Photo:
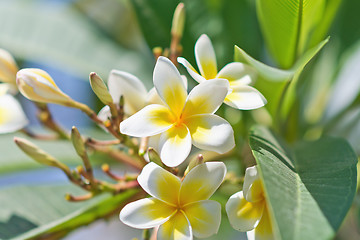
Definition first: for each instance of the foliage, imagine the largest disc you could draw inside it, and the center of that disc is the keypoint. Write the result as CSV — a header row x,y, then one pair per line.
x,y
309,80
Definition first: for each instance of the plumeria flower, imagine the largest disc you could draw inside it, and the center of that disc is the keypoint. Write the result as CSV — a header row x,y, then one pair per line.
x,y
247,210
12,117
181,208
238,74
186,119
37,85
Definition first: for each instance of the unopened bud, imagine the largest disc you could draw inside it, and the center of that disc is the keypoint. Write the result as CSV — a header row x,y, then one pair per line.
x,y
77,141
8,67
100,89
39,155
194,162
154,156
177,27
37,85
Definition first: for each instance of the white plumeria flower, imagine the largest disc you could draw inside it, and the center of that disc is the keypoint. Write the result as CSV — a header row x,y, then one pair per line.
x,y
132,89
186,119
247,210
238,74
181,208
12,117
37,85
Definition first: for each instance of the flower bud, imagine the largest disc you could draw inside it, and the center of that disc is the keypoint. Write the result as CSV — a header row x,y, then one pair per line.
x,y
178,22
77,141
37,85
39,155
194,162
154,156
100,89
8,67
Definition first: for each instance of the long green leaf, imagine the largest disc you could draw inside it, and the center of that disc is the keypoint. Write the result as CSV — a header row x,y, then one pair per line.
x,y
28,212
287,25
54,33
310,188
277,74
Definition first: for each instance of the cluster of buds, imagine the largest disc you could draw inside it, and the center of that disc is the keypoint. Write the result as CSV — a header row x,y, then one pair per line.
x,y
157,129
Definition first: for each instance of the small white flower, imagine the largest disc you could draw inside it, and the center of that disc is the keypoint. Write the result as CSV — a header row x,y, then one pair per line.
x,y
186,119
247,210
238,74
181,208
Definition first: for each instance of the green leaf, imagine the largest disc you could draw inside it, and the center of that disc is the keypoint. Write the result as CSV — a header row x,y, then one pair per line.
x,y
309,187
54,33
45,210
276,74
287,26
13,159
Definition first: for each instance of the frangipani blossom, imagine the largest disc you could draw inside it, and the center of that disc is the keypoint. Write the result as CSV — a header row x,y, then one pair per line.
x,y
247,210
238,74
12,117
186,119
181,208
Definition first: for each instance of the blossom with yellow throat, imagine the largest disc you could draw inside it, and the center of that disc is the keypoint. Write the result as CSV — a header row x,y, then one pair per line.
x,y
247,210
180,208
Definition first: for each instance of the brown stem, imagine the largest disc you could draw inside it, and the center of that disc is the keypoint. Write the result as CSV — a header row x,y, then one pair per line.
x,y
106,170
119,156
102,143
72,198
47,120
33,135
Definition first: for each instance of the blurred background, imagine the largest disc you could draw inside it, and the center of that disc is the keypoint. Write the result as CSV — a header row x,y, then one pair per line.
x,y
69,39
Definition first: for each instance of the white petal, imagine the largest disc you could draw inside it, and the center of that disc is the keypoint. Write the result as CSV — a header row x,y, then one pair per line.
x,y
211,132
160,183
245,80
154,98
151,120
104,113
235,71
175,145
252,188
130,87
206,97
177,228
146,213
204,217
201,182
205,57
12,117
191,70
243,215
169,85
245,98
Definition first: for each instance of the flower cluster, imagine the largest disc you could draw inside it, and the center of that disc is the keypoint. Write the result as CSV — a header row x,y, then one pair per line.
x,y
174,120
